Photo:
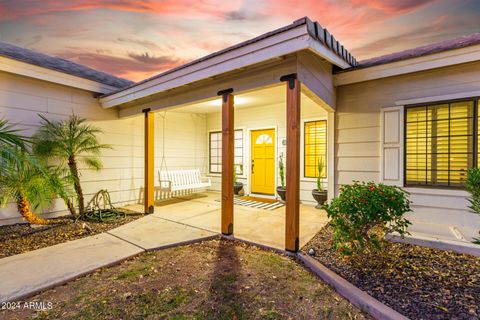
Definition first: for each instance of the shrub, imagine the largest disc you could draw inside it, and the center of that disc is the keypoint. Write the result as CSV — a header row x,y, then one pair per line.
x,y
473,186
364,212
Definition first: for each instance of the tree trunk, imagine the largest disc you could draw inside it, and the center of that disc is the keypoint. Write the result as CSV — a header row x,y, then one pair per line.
x,y
24,208
70,207
72,164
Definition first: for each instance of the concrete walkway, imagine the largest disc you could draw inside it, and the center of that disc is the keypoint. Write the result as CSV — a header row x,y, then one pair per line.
x,y
30,272
266,227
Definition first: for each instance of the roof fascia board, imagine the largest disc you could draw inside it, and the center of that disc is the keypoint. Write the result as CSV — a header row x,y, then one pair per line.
x,y
32,71
433,61
328,54
278,45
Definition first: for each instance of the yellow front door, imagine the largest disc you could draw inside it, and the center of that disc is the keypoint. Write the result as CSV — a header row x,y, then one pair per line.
x,y
263,161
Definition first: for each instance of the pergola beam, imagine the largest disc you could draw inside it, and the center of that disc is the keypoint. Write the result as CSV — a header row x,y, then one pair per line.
x,y
292,207
228,132
149,162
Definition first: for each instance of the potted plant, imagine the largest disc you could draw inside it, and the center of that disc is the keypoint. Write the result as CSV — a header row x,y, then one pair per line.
x,y
281,190
319,194
237,186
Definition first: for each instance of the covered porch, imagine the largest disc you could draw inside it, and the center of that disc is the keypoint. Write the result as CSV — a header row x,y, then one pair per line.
x,y
232,116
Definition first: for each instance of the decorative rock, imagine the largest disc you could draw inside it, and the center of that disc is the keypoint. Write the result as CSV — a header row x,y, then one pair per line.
x,y
311,252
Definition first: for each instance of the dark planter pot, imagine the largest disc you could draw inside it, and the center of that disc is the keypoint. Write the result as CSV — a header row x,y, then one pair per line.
x,y
282,192
237,187
320,197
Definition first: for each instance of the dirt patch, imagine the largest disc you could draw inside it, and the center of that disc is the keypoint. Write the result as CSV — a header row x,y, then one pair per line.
x,y
418,282
217,279
20,238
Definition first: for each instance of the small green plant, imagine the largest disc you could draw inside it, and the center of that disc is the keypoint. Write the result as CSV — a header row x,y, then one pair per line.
x,y
364,212
473,187
281,170
320,168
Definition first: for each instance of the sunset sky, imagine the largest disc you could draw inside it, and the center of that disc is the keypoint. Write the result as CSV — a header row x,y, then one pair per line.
x,y
136,39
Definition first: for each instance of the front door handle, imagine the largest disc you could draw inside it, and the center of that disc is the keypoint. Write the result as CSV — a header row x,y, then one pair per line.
x,y
253,165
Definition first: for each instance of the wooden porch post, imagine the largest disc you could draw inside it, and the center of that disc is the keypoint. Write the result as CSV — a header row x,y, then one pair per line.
x,y
149,162
292,208
228,133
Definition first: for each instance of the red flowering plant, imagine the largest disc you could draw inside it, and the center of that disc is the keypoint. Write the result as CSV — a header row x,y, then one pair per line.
x,y
364,212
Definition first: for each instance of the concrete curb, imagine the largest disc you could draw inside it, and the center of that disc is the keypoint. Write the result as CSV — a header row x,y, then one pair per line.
x,y
261,246
183,243
357,297
435,243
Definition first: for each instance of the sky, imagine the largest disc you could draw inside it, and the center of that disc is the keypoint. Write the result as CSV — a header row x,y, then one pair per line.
x,y
136,39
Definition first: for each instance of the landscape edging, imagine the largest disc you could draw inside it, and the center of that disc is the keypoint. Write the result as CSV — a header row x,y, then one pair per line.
x,y
356,296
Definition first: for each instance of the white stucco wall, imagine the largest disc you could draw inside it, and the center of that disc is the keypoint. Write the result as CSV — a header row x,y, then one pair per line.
x,y
22,99
358,137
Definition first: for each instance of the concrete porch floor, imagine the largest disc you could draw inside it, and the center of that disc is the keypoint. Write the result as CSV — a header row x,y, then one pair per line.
x,y
267,227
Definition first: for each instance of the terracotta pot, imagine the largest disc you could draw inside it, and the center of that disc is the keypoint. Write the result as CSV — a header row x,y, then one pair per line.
x,y
282,192
237,187
320,197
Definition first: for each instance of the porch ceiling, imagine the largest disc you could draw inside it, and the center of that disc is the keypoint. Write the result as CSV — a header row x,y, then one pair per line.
x,y
258,98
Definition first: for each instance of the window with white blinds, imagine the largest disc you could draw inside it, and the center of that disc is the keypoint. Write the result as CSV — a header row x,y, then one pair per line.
x,y
441,143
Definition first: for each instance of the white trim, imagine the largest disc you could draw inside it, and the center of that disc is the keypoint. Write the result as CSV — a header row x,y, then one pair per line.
x,y
432,61
45,74
453,96
331,136
249,159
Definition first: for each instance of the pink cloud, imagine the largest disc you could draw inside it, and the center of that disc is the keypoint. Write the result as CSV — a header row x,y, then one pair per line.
x,y
134,67
10,10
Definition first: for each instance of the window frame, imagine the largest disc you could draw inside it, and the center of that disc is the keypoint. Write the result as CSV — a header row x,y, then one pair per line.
x,y
323,119
475,139
210,151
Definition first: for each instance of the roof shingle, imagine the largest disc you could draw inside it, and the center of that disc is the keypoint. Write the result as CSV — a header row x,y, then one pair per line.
x,y
62,65
457,43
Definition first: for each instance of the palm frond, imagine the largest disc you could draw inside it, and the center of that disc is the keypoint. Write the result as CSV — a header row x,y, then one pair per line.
x,y
11,136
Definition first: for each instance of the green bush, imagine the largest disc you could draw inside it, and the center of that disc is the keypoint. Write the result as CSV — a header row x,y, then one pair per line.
x,y
473,186
364,212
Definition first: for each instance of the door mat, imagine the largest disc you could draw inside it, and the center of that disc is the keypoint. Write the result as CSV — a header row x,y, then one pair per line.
x,y
260,203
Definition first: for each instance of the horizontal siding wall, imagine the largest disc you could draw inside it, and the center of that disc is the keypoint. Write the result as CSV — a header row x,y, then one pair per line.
x,y
357,141
263,117
22,99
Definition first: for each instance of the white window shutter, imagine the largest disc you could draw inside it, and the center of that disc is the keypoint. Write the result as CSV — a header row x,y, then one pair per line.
x,y
391,145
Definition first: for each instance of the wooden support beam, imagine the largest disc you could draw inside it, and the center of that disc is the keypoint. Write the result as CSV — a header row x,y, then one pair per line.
x,y
292,207
149,162
228,132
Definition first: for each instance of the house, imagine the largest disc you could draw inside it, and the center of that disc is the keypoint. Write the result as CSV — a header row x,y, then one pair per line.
x,y
408,119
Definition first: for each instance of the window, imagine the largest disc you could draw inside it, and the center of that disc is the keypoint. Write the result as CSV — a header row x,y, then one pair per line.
x,y
440,143
216,151
315,139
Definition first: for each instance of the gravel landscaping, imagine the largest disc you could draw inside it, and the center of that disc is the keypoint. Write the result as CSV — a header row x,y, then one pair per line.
x,y
418,282
217,279
20,238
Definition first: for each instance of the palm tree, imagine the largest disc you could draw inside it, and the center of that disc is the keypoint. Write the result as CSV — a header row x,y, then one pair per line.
x,y
66,142
10,136
26,181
